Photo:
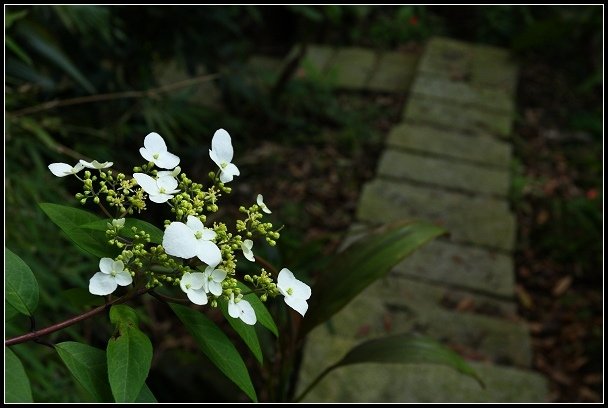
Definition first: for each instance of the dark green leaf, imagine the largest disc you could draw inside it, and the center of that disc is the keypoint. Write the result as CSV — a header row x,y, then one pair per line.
x,y
16,384
129,356
21,287
70,220
261,312
214,343
17,50
400,349
156,235
246,331
145,395
354,269
88,366
9,311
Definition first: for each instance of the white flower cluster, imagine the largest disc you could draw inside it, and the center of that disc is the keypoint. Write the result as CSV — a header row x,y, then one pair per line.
x,y
191,239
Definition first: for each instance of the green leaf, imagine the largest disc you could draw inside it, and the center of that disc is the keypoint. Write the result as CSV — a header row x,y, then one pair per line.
x,y
9,311
70,220
400,349
145,395
214,343
88,366
246,331
156,235
368,259
129,356
12,45
16,384
21,287
261,312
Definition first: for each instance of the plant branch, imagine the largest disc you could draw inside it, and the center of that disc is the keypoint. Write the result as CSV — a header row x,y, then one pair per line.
x,y
71,321
267,265
167,299
112,96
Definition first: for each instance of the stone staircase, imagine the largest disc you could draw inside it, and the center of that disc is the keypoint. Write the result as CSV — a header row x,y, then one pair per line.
x,y
446,162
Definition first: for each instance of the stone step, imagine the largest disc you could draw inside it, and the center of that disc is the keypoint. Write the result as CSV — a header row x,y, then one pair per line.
x,y
463,93
429,110
476,220
484,326
483,66
316,59
477,149
444,173
352,67
413,383
206,94
441,262
394,72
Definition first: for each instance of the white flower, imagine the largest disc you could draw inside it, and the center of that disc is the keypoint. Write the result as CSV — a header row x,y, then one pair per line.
x,y
165,173
160,190
96,165
246,247
262,205
241,309
296,292
155,151
190,240
221,153
213,280
112,273
192,285
63,169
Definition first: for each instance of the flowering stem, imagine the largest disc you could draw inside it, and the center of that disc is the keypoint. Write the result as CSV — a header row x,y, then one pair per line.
x,y
71,321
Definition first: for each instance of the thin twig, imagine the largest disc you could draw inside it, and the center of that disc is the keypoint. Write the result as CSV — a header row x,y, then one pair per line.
x,y
35,335
267,265
112,96
167,299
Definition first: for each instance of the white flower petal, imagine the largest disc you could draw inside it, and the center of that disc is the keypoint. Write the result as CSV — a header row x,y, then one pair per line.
x,y
106,265
118,266
102,284
167,160
221,144
147,183
195,224
215,159
60,169
155,143
160,198
123,278
208,252
246,247
260,201
179,240
197,296
147,154
215,288
79,166
197,279
297,304
301,290
185,281
208,234
285,278
233,309
229,172
218,275
247,314
120,222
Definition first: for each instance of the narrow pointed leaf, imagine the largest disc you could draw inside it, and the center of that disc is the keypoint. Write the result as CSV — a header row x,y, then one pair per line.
x,y
70,221
261,312
21,287
156,235
129,356
400,349
367,260
217,347
88,366
246,331
16,384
